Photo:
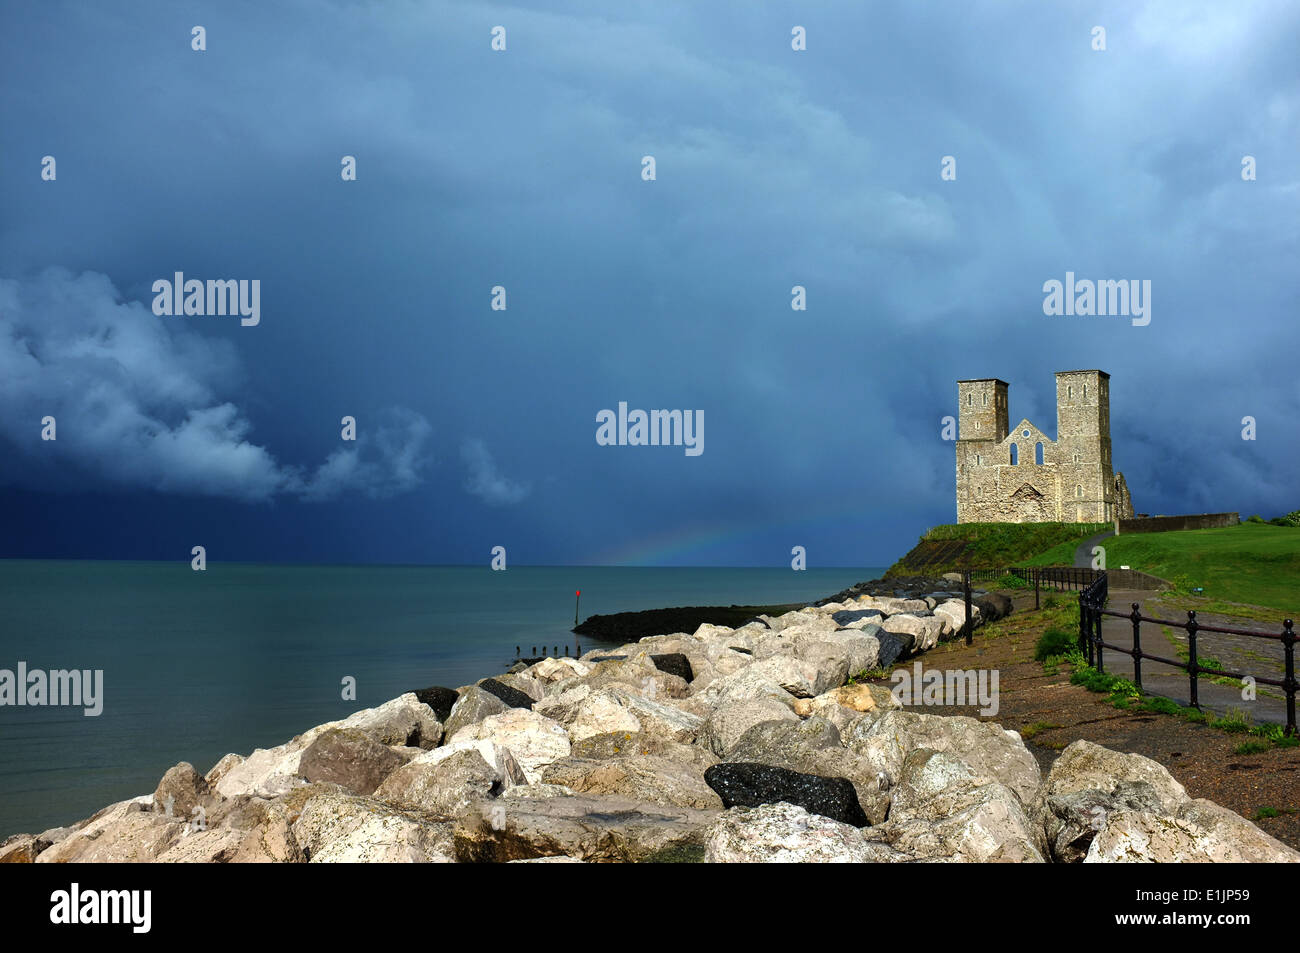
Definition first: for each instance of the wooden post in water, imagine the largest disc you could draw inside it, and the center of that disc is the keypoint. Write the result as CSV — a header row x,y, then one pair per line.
x,y
577,597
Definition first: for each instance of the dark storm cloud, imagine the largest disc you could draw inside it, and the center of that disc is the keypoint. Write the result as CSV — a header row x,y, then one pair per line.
x,y
775,169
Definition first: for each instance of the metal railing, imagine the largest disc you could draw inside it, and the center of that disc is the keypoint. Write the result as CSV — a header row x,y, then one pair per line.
x,y
1092,610
1056,578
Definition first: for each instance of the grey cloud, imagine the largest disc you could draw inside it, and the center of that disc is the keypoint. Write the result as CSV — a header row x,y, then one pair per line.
x,y
485,481
136,402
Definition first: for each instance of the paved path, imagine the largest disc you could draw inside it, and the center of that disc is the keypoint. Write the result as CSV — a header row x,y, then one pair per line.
x,y
1236,653
1083,555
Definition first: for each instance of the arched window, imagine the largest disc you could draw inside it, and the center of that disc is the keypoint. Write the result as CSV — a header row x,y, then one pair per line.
x,y
1078,490
1069,392
1038,453
1085,391
970,400
1015,453
985,400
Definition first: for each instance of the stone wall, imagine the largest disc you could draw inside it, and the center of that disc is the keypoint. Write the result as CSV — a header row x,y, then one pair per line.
x,y
1169,524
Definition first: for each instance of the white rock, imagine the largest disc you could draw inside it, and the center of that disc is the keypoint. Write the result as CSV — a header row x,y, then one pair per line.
x,y
782,833
533,739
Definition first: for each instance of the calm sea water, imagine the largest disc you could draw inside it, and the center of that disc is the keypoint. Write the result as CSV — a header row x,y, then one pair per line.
x,y
197,664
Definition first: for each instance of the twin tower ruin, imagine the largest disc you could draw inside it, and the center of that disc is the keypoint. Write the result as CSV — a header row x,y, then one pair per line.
x,y
1020,475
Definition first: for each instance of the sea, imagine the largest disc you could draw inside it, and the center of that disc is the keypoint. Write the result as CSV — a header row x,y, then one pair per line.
x,y
243,656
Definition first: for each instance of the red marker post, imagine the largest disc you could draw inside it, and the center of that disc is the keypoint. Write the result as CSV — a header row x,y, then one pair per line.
x,y
577,597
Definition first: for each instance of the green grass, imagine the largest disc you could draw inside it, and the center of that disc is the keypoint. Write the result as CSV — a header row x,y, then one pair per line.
x,y
1037,728
990,545
1126,696
1254,563
1252,747
1055,641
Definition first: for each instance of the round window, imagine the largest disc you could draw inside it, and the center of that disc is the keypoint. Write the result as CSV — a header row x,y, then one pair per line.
x,y
1024,433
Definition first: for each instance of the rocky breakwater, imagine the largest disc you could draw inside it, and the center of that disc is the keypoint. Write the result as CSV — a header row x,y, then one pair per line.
x,y
722,745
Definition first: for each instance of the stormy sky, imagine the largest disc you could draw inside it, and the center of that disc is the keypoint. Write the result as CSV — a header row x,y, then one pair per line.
x,y
523,168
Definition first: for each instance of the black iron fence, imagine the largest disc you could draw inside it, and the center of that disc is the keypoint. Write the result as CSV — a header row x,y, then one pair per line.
x,y
1040,577
1092,610
1055,578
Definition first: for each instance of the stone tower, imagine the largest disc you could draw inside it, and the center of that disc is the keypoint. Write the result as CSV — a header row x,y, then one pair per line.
x,y
1020,475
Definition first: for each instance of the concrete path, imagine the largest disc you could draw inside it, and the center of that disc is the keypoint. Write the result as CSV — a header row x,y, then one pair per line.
x,y
1236,653
1083,555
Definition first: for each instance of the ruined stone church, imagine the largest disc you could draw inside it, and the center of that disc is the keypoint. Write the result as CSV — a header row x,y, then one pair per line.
x,y
1020,475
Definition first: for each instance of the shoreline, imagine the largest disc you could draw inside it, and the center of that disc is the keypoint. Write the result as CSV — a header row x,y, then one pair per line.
x,y
747,744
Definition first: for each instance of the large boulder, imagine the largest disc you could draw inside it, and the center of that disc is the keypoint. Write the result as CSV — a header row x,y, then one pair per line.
x,y
341,828
780,677
21,849
813,747
267,840
349,758
180,791
617,710
858,697
893,646
831,660
924,630
749,785
992,605
1087,783
220,769
438,697
533,739
550,670
472,706
1201,832
953,616
267,772
857,618
992,751
860,647
646,779
614,744
635,672
730,720
125,832
448,780
404,720
513,696
593,828
674,663
944,810
782,833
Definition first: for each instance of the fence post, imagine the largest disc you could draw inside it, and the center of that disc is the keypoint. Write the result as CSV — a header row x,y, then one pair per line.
x,y
965,584
1035,573
1192,667
1097,619
1085,627
1288,644
1137,646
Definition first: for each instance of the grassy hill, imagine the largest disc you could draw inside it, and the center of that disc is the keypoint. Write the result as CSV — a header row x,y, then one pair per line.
x,y
1255,562
988,545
